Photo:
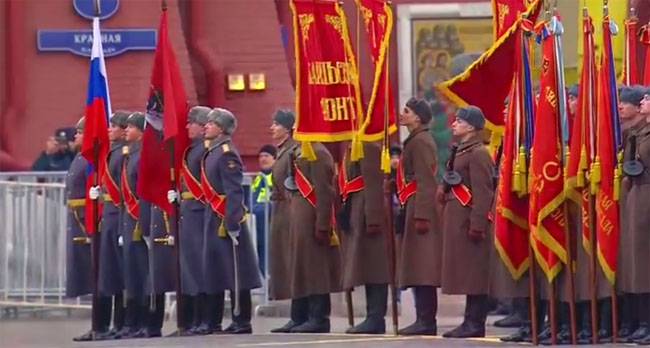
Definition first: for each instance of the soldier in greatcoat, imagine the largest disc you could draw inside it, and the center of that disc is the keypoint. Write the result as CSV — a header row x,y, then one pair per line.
x,y
420,254
467,199
633,278
364,233
192,210
225,227
135,218
280,252
315,263
111,275
79,275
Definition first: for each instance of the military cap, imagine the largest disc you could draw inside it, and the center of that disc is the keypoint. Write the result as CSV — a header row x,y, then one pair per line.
x,y
473,116
136,119
119,118
421,108
224,119
198,114
632,95
64,135
284,118
268,148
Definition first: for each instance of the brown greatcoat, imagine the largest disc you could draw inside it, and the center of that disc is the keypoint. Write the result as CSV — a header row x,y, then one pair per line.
x,y
420,255
465,263
634,258
364,255
279,239
315,268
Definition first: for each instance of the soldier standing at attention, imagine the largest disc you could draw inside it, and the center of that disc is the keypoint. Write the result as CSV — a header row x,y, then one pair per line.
x,y
230,260
280,252
79,277
315,264
364,235
134,220
111,274
467,197
420,253
192,210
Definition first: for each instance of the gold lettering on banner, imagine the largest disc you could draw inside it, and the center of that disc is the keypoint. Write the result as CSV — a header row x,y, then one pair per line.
x,y
551,97
606,225
558,216
504,10
330,73
337,109
547,175
305,21
367,15
336,22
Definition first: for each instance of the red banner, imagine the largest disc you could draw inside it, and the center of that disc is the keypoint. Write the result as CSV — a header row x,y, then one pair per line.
x,y
505,13
547,217
630,65
582,140
608,228
495,69
645,39
380,111
328,97
510,223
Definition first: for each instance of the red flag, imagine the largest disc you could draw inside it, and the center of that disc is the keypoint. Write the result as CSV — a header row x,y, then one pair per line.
x,y
165,126
608,227
494,68
510,223
546,216
630,66
645,39
582,144
505,13
378,21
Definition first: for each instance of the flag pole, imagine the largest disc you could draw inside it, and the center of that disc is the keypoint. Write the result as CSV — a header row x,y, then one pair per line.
x,y
95,236
532,275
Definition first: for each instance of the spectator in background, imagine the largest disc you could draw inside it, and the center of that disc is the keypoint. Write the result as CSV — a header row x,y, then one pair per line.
x,y
261,188
58,154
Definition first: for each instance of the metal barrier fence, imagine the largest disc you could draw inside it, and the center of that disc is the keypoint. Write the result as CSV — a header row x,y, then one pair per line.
x,y
33,218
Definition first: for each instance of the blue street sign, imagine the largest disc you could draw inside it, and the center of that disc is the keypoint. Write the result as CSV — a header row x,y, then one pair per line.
x,y
114,41
86,8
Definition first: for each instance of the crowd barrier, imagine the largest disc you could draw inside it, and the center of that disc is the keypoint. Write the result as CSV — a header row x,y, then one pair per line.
x,y
33,248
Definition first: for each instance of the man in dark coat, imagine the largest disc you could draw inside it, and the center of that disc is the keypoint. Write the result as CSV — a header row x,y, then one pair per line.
x,y
420,253
468,197
230,260
79,275
192,210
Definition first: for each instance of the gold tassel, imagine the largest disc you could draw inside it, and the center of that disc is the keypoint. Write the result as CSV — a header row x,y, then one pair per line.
x,y
516,179
308,151
595,175
618,174
221,231
385,159
334,239
582,168
167,226
521,167
356,153
137,233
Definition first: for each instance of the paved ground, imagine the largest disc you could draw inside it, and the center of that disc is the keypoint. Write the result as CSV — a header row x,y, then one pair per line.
x,y
56,329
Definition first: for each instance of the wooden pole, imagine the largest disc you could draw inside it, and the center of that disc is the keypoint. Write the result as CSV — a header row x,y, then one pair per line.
x,y
571,284
350,307
532,272
593,279
390,249
552,312
614,300
175,229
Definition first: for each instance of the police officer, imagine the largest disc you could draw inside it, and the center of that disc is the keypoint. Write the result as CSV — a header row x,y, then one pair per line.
x,y
364,237
315,264
420,254
467,204
280,251
111,276
192,210
79,275
135,218
230,261
633,280
261,189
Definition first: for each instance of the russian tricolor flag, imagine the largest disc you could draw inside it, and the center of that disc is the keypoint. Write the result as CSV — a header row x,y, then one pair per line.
x,y
98,110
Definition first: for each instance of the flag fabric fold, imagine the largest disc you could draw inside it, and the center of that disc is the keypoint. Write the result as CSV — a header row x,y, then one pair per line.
x,y
645,40
505,13
165,139
96,143
630,64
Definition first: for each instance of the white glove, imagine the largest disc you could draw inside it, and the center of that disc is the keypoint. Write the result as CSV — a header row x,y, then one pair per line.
x,y
94,193
120,241
172,196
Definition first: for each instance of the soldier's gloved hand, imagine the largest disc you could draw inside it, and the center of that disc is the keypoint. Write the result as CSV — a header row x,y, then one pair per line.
x,y
94,192
322,237
422,226
172,196
476,235
373,230
234,235
120,241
